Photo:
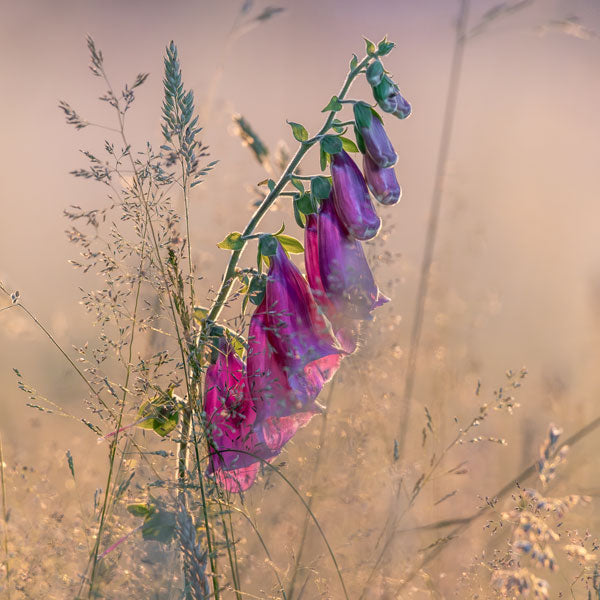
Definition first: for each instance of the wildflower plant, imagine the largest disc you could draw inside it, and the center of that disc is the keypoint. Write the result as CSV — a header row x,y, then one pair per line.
x,y
227,399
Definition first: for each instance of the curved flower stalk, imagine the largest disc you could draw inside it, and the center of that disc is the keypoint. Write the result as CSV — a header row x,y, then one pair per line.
x,y
343,271
292,352
230,420
352,201
382,182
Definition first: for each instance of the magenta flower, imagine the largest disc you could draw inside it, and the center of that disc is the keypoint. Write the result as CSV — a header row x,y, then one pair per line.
x,y
230,420
292,353
352,200
343,269
344,329
377,144
381,182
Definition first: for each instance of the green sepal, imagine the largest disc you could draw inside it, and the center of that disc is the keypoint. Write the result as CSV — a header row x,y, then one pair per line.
x,y
299,131
267,244
320,187
362,115
359,140
331,144
298,216
324,158
306,205
375,73
384,47
353,62
256,290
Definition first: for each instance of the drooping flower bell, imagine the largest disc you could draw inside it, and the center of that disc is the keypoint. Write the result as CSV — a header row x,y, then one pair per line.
x,y
352,200
344,272
230,420
376,142
344,328
292,352
381,182
390,99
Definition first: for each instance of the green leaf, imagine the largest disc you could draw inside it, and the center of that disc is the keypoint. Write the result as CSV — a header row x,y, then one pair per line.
x,y
291,244
320,187
256,292
267,244
297,183
299,131
354,62
237,342
160,413
348,145
331,144
160,526
300,218
233,241
362,115
334,104
323,158
305,205
270,185
370,47
200,313
139,510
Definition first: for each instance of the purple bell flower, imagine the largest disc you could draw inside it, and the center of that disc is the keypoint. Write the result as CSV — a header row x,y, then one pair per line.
x,y
343,269
230,420
292,352
381,182
390,99
378,145
352,200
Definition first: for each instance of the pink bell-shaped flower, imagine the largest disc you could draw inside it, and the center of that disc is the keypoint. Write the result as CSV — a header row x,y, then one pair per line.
x,y
292,352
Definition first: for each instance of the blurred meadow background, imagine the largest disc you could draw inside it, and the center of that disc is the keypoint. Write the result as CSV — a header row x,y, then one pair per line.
x,y
514,285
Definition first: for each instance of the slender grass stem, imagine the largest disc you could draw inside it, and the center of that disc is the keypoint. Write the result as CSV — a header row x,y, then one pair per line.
x,y
5,520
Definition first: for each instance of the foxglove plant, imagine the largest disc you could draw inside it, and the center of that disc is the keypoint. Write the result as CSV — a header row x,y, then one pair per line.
x,y
243,400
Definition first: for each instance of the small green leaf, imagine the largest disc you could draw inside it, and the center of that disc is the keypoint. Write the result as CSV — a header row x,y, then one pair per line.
x,y
237,342
267,244
299,131
271,185
370,47
320,187
160,413
305,205
297,183
256,292
331,144
323,158
334,104
159,525
139,510
281,229
233,241
348,145
291,244
362,115
354,62
200,313
300,218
